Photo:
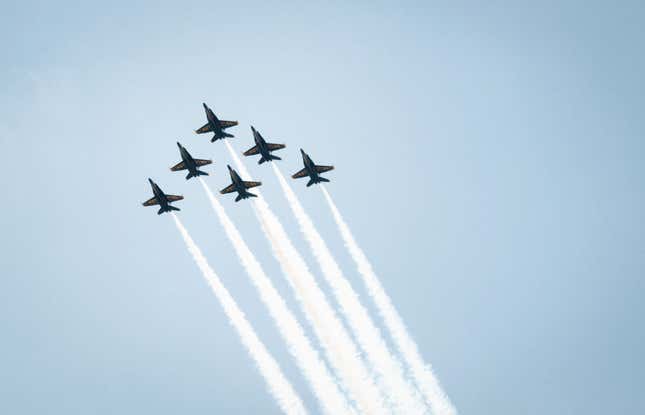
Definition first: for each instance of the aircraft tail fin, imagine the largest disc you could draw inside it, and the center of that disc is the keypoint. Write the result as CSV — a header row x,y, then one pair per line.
x,y
198,173
221,136
167,209
318,180
245,195
271,157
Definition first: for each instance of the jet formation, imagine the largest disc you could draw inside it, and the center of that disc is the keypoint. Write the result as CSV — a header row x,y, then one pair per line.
x,y
262,148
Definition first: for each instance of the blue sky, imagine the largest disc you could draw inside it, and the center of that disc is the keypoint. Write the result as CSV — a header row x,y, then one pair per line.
x,y
489,159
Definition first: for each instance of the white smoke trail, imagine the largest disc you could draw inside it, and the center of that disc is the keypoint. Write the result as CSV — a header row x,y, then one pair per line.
x,y
402,395
422,372
278,385
339,348
314,369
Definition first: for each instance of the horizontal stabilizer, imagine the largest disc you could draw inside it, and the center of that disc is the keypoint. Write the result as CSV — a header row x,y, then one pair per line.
x,y
318,180
244,195
166,209
271,157
221,136
197,173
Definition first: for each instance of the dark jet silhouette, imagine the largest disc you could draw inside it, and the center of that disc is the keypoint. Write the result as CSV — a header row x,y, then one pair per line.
x,y
312,170
190,164
161,199
239,186
215,125
263,148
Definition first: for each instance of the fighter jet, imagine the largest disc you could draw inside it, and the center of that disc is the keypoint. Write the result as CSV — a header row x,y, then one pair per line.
x,y
312,170
161,199
215,125
263,148
239,186
190,164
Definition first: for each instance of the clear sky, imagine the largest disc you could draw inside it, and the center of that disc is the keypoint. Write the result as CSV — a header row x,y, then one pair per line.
x,y
489,159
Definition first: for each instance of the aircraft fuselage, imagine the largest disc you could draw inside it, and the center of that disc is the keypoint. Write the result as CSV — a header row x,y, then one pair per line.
x,y
262,147
188,160
216,126
310,166
159,195
238,183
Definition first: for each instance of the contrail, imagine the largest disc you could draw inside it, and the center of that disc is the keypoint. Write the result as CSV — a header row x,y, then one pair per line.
x,y
404,397
314,369
278,385
422,372
339,348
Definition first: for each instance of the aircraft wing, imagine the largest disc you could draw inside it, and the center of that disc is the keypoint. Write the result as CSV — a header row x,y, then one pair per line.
x,y
301,173
174,198
204,129
322,169
201,162
178,166
227,124
228,189
252,151
150,202
249,185
273,147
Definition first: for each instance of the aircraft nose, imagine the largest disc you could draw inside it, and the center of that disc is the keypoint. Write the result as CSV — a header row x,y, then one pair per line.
x,y
204,104
150,180
178,144
302,152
